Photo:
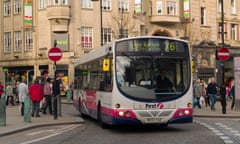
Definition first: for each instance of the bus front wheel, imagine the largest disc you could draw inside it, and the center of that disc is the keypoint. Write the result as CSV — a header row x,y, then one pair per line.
x,y
99,117
80,109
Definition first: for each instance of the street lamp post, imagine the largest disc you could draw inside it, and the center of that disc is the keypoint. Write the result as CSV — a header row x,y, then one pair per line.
x,y
121,24
101,24
222,35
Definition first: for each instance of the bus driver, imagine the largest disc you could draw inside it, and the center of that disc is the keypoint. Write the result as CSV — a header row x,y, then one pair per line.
x,y
164,84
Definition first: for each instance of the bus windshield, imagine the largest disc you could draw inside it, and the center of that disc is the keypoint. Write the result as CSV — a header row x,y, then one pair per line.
x,y
153,69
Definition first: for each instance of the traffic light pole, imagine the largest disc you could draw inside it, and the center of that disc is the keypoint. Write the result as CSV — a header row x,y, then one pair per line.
x,y
55,93
222,35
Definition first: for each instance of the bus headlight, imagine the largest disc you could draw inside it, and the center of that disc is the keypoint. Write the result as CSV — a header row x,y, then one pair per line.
x,y
117,105
186,112
121,113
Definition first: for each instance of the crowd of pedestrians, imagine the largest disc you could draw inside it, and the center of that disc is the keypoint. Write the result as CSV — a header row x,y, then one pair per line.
x,y
40,92
206,94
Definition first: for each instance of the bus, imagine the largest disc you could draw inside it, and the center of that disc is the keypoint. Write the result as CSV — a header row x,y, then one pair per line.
x,y
116,84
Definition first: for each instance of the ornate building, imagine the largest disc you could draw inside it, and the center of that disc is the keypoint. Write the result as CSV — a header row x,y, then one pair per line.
x,y
29,28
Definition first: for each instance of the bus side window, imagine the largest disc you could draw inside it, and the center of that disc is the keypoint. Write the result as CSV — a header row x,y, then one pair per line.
x,y
86,87
101,85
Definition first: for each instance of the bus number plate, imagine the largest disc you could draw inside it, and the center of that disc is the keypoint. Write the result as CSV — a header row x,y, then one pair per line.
x,y
154,120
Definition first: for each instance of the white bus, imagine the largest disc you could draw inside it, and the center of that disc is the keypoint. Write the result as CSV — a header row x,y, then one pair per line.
x,y
119,83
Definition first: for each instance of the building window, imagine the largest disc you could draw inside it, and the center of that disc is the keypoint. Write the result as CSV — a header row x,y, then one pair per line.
x,y
233,6
106,4
86,3
7,8
123,5
42,4
159,7
150,8
7,42
28,40
52,2
219,5
107,37
87,34
123,33
220,31
17,6
17,41
203,16
56,2
171,8
234,32
64,2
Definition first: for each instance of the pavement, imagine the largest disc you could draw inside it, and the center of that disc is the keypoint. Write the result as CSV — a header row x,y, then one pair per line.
x,y
208,113
15,122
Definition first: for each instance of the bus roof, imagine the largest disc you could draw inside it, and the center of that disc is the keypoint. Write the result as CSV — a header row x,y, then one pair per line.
x,y
94,54
106,49
162,37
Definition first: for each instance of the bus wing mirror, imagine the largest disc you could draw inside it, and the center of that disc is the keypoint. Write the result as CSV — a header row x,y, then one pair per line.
x,y
106,64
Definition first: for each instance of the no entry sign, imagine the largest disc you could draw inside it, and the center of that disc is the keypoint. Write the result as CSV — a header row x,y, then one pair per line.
x,y
223,54
55,54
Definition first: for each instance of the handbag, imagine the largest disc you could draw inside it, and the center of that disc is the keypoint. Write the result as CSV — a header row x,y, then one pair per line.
x,y
202,101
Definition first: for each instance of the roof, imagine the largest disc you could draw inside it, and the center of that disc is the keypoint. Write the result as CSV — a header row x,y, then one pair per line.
x,y
94,54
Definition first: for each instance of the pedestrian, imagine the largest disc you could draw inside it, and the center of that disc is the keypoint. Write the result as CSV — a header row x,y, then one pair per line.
x,y
47,91
232,95
57,85
197,93
22,89
212,92
16,91
36,95
204,89
164,84
1,89
71,90
9,94
42,104
56,93
223,98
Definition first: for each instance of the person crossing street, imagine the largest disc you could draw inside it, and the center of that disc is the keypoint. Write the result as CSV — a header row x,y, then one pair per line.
x,y
212,93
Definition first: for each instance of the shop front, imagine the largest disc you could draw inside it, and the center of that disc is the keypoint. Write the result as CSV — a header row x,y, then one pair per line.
x,y
205,60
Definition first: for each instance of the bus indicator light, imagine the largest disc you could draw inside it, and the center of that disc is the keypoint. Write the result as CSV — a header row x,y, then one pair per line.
x,y
189,105
117,105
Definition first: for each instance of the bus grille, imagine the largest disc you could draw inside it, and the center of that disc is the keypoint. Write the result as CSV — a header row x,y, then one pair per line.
x,y
154,113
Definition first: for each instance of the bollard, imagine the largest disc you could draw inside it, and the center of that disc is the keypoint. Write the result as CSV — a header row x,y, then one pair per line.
x,y
55,107
27,107
223,99
69,96
3,110
59,105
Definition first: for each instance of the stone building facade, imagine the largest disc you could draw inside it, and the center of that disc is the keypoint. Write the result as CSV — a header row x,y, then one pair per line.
x,y
29,28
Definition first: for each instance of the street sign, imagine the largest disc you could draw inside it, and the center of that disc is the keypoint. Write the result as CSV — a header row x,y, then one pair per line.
x,y
55,54
222,64
223,54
